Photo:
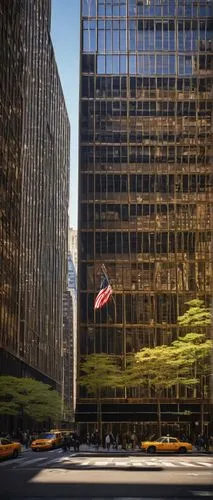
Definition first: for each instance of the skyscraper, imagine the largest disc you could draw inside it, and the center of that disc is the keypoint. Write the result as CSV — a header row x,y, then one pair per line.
x,y
34,203
70,326
145,173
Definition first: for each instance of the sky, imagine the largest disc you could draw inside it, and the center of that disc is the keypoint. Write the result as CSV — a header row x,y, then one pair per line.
x,y
65,34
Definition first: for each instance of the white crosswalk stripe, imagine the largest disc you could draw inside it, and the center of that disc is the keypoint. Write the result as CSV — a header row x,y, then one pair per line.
x,y
75,461
33,461
205,464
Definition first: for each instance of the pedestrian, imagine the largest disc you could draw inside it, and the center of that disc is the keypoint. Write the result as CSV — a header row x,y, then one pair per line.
x,y
112,439
107,441
199,443
88,438
69,441
117,441
65,442
206,443
97,439
133,440
76,441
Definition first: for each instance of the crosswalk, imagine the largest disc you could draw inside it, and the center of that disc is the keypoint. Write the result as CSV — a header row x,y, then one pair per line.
x,y
58,459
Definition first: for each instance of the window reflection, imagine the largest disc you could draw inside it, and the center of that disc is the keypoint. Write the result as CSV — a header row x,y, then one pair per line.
x,y
146,161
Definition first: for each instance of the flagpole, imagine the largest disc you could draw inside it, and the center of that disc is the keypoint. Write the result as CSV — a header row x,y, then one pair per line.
x,y
113,298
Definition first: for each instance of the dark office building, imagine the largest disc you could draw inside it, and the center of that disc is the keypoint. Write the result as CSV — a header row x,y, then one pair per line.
x,y
34,135
144,176
68,357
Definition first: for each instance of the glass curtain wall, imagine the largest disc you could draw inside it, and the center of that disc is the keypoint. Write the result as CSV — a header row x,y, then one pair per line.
x,y
11,102
145,173
34,138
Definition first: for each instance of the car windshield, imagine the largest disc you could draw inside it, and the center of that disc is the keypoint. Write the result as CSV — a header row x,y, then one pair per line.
x,y
160,440
46,435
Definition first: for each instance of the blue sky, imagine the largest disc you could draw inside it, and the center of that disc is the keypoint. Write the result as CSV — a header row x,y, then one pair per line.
x,y
65,33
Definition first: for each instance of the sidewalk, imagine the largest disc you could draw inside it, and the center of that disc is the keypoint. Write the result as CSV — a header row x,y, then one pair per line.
x,y
84,448
91,449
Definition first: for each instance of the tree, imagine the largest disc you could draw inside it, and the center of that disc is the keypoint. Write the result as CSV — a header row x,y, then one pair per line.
x,y
196,321
26,396
99,372
160,368
197,316
184,362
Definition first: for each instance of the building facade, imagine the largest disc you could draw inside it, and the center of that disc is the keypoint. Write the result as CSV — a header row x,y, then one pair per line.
x,y
11,126
68,355
72,309
73,246
145,171
36,133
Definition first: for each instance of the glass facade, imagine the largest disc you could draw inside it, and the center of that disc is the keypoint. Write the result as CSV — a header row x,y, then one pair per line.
x,y
145,173
11,126
34,210
68,353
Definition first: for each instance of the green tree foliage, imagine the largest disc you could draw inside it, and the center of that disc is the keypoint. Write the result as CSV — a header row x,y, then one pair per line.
x,y
195,342
100,371
26,396
184,362
197,316
159,368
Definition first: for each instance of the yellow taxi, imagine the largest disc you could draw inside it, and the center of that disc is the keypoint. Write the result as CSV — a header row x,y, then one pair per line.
x,y
9,448
47,441
168,444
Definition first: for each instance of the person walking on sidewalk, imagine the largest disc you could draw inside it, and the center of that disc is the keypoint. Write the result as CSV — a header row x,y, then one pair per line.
x,y
107,441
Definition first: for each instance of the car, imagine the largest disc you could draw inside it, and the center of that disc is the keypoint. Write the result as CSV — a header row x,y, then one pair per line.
x,y
9,448
166,443
47,441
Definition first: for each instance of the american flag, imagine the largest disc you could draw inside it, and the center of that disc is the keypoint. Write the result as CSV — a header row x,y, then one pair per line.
x,y
104,294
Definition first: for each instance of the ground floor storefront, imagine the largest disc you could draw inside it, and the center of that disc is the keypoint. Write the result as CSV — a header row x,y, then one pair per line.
x,y
180,419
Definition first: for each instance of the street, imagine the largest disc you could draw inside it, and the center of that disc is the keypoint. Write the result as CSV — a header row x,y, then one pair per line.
x,y
57,474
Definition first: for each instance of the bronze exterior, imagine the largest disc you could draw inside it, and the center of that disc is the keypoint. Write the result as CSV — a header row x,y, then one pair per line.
x,y
34,206
145,174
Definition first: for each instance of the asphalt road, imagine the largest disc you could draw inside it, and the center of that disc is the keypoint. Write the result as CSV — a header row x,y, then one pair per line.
x,y
58,475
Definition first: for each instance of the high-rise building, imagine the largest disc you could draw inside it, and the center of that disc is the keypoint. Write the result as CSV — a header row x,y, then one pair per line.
x,y
73,246
145,171
34,135
70,327
68,354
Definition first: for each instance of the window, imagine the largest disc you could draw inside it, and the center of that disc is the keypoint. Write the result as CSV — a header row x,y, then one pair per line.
x,y
88,8
100,64
185,65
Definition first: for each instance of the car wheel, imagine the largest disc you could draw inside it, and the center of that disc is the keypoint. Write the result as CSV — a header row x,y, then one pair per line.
x,y
15,454
182,449
53,446
33,449
151,449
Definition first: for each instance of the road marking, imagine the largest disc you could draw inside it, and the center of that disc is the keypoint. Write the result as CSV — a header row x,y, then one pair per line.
x,y
33,461
202,493
168,464
206,464
187,464
12,461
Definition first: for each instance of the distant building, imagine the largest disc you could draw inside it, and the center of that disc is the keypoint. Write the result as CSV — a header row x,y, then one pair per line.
x,y
68,354
34,135
73,246
72,276
70,324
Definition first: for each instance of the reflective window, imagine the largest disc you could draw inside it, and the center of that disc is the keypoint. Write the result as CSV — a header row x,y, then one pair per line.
x,y
89,36
88,8
100,64
185,65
